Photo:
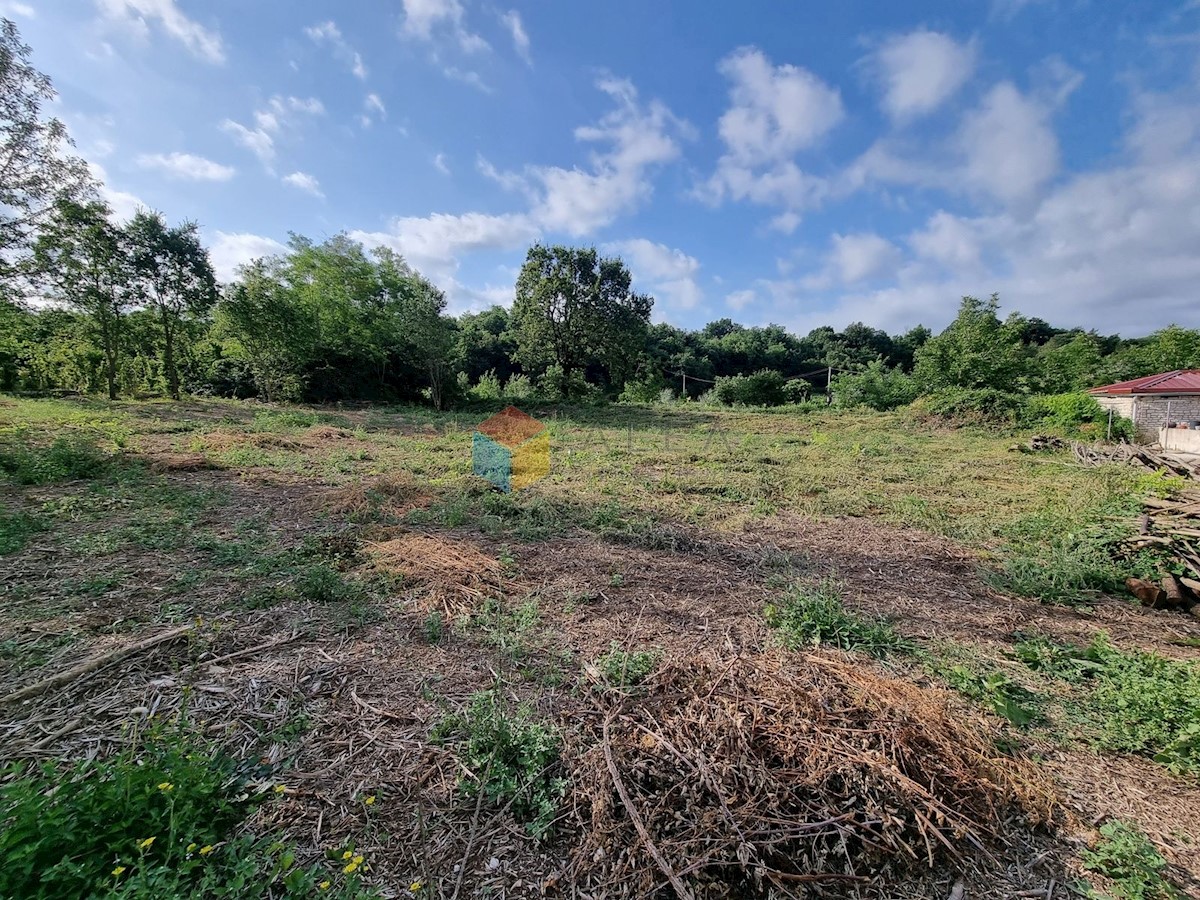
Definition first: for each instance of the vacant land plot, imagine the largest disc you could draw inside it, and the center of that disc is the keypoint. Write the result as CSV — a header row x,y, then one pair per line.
x,y
712,654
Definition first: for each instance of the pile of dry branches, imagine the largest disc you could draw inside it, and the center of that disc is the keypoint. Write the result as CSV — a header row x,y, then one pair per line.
x,y
1172,527
756,775
1143,457
452,574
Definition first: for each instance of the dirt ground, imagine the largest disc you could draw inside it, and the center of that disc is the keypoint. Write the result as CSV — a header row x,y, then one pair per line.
x,y
344,708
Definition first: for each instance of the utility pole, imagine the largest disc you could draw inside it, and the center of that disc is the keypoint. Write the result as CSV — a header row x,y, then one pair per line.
x,y
683,372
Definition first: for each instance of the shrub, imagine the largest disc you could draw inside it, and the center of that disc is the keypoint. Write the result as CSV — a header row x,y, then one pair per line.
x,y
16,530
797,390
984,406
1074,414
1128,858
878,387
518,388
763,388
513,759
812,615
647,390
487,388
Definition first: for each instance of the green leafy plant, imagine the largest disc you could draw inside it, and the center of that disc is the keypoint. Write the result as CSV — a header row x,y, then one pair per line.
x,y
1130,861
512,758
625,668
162,819
813,615
63,460
16,529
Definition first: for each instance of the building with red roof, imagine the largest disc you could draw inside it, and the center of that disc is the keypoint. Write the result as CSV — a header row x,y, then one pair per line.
x,y
1155,402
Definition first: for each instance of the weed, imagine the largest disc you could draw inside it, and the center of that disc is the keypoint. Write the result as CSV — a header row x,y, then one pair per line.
x,y
508,629
320,583
63,460
812,615
16,529
158,821
626,668
992,689
514,759
434,627
1127,857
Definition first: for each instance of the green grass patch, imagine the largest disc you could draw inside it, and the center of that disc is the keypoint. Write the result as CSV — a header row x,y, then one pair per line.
x,y
625,668
1129,701
812,615
163,820
65,459
16,529
512,758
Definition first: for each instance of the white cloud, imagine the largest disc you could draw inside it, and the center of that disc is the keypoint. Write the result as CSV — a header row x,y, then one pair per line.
x,y
328,32
433,243
948,241
520,38
921,70
123,204
304,182
136,15
439,163
374,109
427,19
186,165
1009,146
279,114
15,8
668,274
857,257
785,222
638,138
468,77
230,250
739,300
775,112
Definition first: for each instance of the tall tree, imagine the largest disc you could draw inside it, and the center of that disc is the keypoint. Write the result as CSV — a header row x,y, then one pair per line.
x,y
976,350
174,276
574,308
85,261
36,168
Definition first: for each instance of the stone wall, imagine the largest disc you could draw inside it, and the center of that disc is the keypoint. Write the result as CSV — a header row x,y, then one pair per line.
x,y
1149,414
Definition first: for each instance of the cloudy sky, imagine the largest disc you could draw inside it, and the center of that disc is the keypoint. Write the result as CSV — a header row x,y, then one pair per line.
x,y
793,162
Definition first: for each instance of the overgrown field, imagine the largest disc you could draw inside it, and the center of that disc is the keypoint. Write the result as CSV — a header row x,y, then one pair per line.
x,y
713,654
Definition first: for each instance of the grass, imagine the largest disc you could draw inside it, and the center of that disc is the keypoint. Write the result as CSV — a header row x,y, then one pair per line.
x,y
511,757
163,819
812,615
626,668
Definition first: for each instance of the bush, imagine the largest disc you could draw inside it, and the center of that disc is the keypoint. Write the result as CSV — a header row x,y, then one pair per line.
x,y
983,406
518,388
624,668
1076,414
797,390
649,390
878,387
231,378
763,388
157,822
812,615
513,759
487,388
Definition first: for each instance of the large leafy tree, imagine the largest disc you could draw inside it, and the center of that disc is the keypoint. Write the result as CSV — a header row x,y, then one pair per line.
x,y
36,167
174,276
84,260
976,350
575,309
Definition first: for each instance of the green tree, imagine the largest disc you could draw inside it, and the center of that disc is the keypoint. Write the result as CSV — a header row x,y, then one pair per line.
x,y
84,260
976,350
175,276
36,167
575,309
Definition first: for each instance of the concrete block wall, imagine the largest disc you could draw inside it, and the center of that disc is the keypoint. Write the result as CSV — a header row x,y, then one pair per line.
x,y
1149,414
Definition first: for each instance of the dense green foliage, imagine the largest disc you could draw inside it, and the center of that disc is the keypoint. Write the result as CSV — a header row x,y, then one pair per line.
x,y
163,820
812,615
1133,864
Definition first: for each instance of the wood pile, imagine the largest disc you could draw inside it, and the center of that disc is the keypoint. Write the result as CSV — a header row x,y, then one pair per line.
x,y
1144,457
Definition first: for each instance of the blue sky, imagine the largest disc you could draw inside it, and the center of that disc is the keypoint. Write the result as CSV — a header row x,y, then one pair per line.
x,y
798,163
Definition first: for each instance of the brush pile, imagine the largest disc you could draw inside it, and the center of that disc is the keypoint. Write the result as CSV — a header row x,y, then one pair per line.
x,y
451,574
752,777
1171,529
1142,457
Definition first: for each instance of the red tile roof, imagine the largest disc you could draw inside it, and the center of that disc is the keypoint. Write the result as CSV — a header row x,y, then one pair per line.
x,y
1181,381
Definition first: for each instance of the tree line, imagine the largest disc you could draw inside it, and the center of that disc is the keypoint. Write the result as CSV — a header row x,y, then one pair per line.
x,y
133,308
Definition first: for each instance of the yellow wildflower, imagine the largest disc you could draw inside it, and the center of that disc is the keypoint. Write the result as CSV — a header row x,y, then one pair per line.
x,y
347,854
358,860
416,886
166,786
117,871
370,801
145,845
280,788
191,847
206,849
324,885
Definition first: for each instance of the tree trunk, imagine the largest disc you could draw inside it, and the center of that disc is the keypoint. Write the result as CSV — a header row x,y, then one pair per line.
x,y
169,357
